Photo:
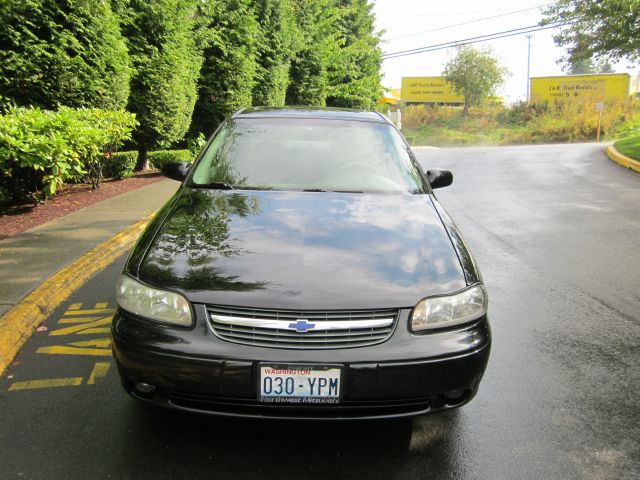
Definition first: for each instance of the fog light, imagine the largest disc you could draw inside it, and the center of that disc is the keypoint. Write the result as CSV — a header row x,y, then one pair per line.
x,y
143,387
454,394
453,398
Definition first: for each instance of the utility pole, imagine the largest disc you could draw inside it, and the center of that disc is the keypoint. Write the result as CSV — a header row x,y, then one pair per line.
x,y
528,66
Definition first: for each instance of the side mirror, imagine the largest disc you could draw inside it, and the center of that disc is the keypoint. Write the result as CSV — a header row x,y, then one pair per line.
x,y
439,178
175,170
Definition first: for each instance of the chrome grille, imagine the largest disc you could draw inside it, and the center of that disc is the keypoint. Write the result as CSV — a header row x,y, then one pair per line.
x,y
311,329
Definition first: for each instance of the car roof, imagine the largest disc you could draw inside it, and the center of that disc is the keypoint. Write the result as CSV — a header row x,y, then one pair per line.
x,y
311,112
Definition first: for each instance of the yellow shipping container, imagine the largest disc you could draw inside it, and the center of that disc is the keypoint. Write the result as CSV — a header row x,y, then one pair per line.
x,y
391,98
580,88
428,90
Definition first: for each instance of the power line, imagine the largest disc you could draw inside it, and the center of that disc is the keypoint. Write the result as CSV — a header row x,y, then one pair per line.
x,y
460,41
433,48
468,41
447,14
468,22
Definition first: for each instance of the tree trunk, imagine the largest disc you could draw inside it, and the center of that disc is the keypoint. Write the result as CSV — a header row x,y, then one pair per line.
x,y
465,110
143,159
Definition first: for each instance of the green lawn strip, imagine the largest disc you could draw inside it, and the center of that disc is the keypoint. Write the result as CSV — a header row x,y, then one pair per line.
x,y
629,146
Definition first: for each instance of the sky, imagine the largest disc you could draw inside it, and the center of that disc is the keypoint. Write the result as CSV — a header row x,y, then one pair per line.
x,y
404,20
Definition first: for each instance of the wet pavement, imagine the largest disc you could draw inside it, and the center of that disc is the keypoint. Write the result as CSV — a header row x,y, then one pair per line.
x,y
555,231
31,256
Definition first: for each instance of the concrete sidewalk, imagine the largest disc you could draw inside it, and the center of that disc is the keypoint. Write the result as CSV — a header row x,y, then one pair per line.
x,y
29,258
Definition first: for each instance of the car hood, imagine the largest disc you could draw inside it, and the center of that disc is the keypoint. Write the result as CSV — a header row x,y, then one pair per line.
x,y
302,250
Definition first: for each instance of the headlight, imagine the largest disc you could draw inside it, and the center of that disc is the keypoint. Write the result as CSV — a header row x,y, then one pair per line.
x,y
160,305
438,312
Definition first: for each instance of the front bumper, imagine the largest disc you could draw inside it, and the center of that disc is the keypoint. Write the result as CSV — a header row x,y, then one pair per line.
x,y
192,369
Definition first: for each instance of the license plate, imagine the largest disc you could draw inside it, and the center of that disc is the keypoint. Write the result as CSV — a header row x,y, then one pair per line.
x,y
299,384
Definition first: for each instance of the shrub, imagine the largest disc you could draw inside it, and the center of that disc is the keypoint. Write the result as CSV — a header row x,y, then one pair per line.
x,y
417,115
518,114
628,120
120,164
40,149
160,157
34,154
98,134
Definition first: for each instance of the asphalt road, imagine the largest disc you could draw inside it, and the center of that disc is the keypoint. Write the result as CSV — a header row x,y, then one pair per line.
x,y
555,230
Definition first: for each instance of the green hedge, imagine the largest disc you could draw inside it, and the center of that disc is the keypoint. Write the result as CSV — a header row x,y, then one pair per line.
x,y
120,165
160,157
42,149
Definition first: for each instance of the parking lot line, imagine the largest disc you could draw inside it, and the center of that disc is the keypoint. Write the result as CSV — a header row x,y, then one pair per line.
x,y
48,383
71,350
100,370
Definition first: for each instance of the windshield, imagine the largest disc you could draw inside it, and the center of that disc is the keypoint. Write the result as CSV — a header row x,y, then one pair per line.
x,y
308,154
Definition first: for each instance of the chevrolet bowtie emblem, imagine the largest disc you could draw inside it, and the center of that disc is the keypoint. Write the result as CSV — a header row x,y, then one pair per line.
x,y
301,325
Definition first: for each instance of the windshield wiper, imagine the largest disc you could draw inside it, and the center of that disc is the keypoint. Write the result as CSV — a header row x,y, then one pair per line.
x,y
218,185
333,191
253,188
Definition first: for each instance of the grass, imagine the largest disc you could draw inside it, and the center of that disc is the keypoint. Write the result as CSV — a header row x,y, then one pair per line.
x,y
629,146
519,124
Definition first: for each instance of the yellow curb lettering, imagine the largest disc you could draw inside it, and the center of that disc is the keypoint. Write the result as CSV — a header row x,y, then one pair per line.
x,y
93,311
83,327
94,330
78,320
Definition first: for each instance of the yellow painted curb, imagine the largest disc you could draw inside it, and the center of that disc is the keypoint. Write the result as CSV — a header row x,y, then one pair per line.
x,y
621,159
19,323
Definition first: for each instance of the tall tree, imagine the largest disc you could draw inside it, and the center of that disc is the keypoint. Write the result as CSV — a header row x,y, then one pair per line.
x,y
229,71
581,62
276,45
319,49
163,41
600,28
355,79
474,74
582,66
62,52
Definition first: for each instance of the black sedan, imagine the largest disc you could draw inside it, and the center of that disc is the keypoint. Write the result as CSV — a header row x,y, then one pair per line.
x,y
304,269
